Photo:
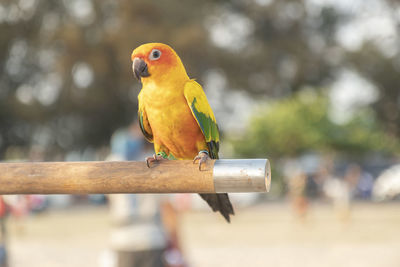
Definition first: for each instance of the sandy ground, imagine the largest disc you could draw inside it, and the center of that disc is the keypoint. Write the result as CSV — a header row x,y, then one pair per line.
x,y
265,235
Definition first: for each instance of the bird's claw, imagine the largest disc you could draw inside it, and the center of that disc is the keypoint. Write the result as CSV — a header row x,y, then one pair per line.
x,y
154,158
202,157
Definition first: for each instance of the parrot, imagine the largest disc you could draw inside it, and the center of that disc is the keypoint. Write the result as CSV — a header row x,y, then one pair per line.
x,y
174,114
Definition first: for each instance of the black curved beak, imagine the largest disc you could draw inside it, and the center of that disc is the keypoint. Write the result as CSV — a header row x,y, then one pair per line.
x,y
139,68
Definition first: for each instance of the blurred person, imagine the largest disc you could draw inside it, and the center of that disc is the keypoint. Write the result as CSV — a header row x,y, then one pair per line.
x,y
3,247
341,191
18,206
144,226
365,185
297,194
352,176
338,190
296,180
360,181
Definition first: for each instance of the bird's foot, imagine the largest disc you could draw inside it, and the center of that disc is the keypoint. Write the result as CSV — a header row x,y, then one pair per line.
x,y
154,158
202,157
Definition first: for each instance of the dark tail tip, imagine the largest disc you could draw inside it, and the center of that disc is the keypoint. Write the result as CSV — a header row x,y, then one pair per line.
x,y
221,203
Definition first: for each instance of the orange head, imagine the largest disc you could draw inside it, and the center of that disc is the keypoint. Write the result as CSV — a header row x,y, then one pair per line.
x,y
157,62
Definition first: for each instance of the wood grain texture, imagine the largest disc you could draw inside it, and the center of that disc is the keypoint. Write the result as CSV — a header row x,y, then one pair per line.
x,y
105,177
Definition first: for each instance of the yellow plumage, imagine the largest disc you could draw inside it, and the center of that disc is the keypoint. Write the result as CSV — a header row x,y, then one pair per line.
x,y
174,112
169,119
164,104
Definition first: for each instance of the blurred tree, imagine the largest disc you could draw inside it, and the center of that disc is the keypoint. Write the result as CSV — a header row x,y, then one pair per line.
x,y
301,124
290,45
384,73
65,74
287,45
66,81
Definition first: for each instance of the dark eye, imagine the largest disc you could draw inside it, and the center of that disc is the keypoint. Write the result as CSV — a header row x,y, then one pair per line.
x,y
155,54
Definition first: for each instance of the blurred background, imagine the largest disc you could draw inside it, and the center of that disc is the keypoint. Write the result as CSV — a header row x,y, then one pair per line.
x,y
312,85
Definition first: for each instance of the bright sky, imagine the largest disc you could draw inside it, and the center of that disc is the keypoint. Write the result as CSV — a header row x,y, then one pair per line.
x,y
349,93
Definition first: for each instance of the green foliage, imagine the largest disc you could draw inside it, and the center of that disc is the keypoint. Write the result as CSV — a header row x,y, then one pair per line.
x,y
43,45
301,123
289,45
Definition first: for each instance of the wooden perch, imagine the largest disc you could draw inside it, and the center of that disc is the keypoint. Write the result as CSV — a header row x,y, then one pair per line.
x,y
106,177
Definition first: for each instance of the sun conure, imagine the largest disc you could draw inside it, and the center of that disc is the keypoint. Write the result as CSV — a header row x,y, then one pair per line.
x,y
174,113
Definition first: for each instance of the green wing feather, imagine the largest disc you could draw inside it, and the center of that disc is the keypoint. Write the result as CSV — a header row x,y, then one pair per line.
x,y
143,122
204,115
